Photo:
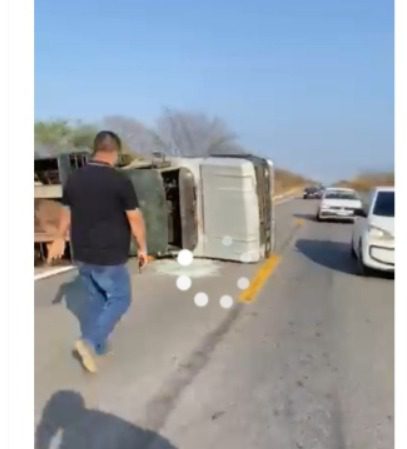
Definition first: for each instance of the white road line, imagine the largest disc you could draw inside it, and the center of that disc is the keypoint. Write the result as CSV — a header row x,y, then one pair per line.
x,y
284,200
53,272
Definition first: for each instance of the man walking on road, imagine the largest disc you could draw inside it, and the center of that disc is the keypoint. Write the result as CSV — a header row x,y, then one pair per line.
x,y
101,212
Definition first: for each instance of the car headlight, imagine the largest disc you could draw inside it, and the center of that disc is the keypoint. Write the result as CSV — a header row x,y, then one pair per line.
x,y
379,233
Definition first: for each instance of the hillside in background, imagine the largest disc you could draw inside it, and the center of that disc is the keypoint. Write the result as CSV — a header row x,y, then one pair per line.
x,y
286,180
366,181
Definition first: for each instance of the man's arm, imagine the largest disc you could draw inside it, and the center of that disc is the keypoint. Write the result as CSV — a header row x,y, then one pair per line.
x,y
138,229
134,215
64,223
57,248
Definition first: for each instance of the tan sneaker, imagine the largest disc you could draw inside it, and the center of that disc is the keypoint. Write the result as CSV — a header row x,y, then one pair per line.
x,y
87,356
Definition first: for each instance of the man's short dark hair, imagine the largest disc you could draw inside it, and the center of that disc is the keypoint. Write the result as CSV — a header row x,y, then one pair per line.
x,y
107,141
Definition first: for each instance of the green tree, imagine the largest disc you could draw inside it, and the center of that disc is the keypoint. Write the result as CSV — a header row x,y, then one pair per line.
x,y
52,136
60,136
82,136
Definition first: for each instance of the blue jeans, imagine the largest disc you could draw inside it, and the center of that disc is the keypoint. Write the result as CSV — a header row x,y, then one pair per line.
x,y
109,295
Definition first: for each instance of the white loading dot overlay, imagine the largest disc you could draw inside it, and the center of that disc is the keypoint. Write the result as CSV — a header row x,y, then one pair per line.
x,y
184,282
243,283
227,240
226,301
201,299
185,257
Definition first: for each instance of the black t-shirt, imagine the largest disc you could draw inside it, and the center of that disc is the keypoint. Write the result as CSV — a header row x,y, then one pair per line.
x,y
98,196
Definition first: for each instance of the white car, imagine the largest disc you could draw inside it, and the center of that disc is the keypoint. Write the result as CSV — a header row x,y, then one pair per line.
x,y
373,233
338,204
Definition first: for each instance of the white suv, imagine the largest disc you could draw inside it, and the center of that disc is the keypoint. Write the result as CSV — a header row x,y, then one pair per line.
x,y
373,233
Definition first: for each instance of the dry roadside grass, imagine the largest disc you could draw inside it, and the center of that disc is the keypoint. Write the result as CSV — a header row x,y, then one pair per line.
x,y
286,181
366,181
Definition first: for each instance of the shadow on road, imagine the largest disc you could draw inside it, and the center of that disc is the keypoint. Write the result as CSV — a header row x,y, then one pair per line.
x,y
333,255
76,300
67,423
309,217
313,217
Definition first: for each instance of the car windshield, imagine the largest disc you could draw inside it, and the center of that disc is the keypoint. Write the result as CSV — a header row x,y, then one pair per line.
x,y
341,195
384,205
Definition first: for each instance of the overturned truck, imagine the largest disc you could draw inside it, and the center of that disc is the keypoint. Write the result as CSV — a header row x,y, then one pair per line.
x,y
218,207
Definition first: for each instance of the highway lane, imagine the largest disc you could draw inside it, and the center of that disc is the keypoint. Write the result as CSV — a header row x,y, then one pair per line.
x,y
309,364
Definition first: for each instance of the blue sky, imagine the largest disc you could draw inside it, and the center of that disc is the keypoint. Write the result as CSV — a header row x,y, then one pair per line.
x,y
308,83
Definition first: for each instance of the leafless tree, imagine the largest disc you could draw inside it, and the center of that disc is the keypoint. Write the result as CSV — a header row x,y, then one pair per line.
x,y
193,134
176,133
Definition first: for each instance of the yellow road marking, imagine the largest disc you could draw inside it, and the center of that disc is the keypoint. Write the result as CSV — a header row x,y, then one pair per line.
x,y
259,279
263,273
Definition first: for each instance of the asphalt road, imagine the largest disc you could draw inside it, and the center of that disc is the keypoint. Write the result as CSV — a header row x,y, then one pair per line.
x,y
307,365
